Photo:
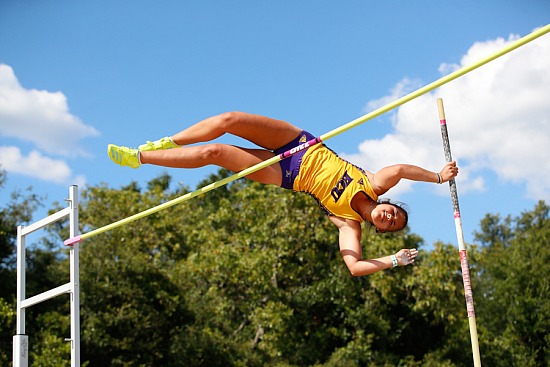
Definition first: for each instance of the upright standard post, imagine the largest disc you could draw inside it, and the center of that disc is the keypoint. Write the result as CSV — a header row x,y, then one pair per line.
x,y
460,236
20,340
75,287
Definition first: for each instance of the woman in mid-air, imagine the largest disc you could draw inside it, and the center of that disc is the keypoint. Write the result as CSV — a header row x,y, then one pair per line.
x,y
346,192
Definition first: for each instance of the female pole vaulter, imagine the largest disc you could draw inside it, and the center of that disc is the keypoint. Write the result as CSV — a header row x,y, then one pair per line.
x,y
347,193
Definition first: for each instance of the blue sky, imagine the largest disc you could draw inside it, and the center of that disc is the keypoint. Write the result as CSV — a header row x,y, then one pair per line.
x,y
76,76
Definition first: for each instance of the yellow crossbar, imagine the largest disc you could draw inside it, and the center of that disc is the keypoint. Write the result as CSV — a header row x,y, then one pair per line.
x,y
438,83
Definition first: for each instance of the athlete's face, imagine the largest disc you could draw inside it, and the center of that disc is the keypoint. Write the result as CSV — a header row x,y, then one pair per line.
x,y
388,218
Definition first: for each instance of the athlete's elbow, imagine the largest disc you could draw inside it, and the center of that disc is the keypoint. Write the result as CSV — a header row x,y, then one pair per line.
x,y
399,170
354,271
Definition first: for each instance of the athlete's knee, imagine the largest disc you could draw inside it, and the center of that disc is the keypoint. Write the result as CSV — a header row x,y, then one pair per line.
x,y
227,120
212,153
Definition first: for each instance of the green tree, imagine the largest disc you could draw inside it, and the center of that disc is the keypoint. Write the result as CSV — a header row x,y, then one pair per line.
x,y
7,330
269,284
515,303
251,275
17,211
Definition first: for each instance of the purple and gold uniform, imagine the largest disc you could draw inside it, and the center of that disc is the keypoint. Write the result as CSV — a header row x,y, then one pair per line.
x,y
331,180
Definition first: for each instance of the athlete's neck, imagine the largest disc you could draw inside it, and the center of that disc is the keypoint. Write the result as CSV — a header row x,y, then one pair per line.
x,y
363,205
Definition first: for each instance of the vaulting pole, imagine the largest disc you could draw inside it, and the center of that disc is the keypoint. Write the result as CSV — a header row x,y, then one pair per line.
x,y
460,237
438,83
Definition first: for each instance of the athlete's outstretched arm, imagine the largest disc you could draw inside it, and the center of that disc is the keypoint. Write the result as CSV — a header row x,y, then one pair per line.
x,y
390,176
350,248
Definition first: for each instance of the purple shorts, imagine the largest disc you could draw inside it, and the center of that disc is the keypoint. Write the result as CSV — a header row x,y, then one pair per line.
x,y
290,166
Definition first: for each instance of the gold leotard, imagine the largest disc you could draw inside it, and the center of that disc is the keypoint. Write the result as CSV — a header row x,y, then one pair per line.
x,y
332,181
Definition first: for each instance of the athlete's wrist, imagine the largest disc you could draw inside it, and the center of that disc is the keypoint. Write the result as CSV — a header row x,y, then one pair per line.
x,y
394,261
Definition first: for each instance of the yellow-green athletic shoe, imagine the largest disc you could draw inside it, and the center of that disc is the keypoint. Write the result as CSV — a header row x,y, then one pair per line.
x,y
161,144
124,156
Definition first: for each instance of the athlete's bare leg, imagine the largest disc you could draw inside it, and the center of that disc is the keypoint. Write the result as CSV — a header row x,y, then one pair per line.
x,y
263,131
230,157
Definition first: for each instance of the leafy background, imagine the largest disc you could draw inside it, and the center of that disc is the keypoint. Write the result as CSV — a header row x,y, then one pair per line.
x,y
249,275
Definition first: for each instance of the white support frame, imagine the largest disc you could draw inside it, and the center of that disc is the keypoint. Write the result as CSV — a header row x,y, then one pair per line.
x,y
20,340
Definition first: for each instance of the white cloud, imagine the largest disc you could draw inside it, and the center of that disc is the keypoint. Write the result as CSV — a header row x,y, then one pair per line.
x,y
35,165
40,117
43,119
498,119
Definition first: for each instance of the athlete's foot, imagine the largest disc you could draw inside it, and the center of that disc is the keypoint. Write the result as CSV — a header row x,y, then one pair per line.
x,y
124,156
161,144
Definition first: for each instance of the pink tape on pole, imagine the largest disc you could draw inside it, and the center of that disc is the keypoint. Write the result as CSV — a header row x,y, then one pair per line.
x,y
457,215
467,284
72,241
443,122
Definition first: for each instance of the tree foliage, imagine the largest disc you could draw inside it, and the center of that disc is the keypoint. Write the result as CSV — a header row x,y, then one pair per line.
x,y
516,263
249,275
